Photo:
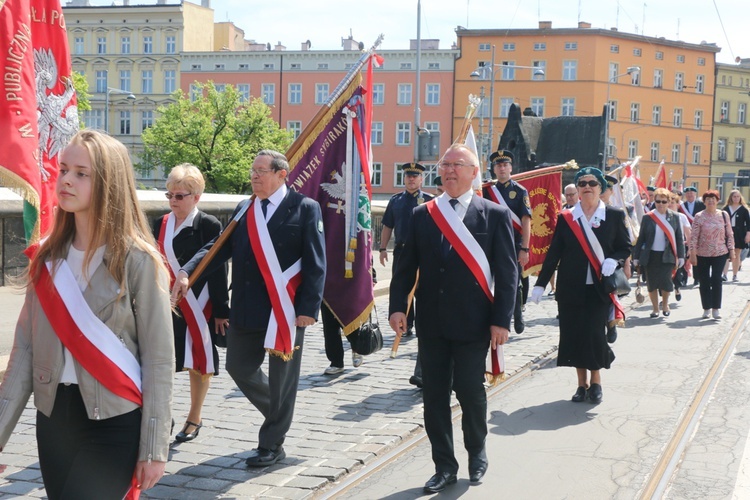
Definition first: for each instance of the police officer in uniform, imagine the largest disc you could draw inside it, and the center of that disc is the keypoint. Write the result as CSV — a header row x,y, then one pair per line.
x,y
396,220
517,200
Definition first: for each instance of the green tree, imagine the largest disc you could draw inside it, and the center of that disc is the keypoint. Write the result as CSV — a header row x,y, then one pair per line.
x,y
81,87
217,132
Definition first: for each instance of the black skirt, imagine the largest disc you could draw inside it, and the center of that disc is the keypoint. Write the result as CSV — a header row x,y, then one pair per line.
x,y
583,328
658,274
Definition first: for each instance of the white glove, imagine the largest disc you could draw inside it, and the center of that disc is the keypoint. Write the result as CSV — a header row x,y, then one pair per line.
x,y
608,267
636,262
680,263
536,294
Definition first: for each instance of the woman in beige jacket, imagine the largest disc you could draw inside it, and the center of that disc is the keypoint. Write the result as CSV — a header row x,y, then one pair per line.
x,y
94,341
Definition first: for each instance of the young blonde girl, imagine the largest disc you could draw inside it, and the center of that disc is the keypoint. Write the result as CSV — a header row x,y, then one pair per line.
x,y
103,412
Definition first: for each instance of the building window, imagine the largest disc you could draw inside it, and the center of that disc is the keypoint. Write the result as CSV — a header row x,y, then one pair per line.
x,y
485,47
125,45
94,118
245,66
677,117
654,151
509,70
568,107
101,45
739,150
244,90
539,46
571,45
101,81
321,93
322,66
696,154
266,66
635,78
656,115
541,70
699,84
509,46
741,109
404,93
701,61
615,49
378,93
295,127
433,94
147,120
406,65
637,52
680,59
614,70
698,119
679,81
196,67
432,126
377,174
148,44
403,133
124,122
195,92
170,81
376,135
537,106
659,55
658,78
570,70
147,81
125,79
505,104
611,147
171,44
635,112
612,108
433,65
268,91
724,117
220,87
722,149
632,148
675,153
219,67
398,177
295,93
78,45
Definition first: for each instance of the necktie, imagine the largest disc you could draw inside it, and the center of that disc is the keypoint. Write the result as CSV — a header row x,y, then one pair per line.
x,y
445,245
264,206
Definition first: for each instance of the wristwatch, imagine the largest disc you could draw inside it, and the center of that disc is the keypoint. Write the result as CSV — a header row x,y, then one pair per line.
x,y
383,250
524,249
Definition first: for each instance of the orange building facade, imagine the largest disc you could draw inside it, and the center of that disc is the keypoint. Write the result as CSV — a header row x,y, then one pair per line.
x,y
296,83
663,111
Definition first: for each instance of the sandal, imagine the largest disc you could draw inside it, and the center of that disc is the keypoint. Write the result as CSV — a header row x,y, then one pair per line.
x,y
654,315
184,436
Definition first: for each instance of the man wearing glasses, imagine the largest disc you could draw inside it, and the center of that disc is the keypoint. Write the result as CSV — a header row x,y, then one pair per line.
x,y
278,244
463,247
513,196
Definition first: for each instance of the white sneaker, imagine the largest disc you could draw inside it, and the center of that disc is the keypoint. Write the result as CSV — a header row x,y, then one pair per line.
x,y
333,370
716,314
706,313
357,359
734,278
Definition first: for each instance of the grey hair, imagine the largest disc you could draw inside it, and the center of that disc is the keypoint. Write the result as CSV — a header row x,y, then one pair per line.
x,y
278,160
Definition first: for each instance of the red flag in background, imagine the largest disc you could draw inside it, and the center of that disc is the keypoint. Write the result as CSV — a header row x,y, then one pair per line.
x,y
661,177
544,195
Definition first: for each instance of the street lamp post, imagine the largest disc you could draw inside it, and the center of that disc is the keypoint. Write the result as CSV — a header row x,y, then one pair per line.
x,y
481,72
630,70
111,90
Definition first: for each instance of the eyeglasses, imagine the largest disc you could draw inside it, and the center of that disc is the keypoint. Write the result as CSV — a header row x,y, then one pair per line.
x,y
661,202
176,196
260,171
446,165
583,184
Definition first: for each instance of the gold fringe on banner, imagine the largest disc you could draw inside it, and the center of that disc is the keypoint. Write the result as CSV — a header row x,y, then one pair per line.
x,y
282,355
356,322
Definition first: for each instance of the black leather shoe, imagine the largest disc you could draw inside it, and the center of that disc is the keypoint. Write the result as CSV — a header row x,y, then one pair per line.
x,y
263,457
594,393
580,395
477,466
611,334
184,436
414,380
439,481
518,325
476,475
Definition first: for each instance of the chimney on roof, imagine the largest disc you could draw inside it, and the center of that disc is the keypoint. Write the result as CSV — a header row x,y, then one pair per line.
x,y
584,25
206,3
306,45
278,46
545,25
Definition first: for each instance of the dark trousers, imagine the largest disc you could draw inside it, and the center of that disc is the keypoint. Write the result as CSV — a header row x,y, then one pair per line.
x,y
410,315
332,337
709,272
86,459
273,395
450,364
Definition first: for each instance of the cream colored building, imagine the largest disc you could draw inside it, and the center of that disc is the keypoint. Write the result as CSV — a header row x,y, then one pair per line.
x,y
130,55
730,161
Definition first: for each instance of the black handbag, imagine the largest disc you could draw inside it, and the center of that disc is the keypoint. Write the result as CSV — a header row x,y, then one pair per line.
x,y
680,278
617,282
369,338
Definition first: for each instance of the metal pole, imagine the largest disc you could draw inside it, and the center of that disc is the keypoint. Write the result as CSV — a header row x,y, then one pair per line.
x,y
106,111
418,94
606,128
492,107
684,163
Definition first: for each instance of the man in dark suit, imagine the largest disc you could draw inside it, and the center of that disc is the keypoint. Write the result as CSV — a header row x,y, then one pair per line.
x,y
464,320
295,227
690,207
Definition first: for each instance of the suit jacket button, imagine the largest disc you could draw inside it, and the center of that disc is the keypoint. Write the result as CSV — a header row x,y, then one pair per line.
x,y
442,269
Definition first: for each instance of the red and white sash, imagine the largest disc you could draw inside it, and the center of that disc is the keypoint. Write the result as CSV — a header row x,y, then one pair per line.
x,y
93,345
497,197
466,246
196,310
685,211
669,232
281,286
595,254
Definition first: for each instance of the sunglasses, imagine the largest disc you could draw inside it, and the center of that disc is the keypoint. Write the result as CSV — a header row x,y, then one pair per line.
x,y
583,184
177,197
661,202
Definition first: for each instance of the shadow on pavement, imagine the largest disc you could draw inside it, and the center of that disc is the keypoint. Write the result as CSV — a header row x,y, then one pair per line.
x,y
380,404
454,491
545,417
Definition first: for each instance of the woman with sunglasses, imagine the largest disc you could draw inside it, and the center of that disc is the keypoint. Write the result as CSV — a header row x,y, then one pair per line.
x,y
660,250
711,242
200,319
590,241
